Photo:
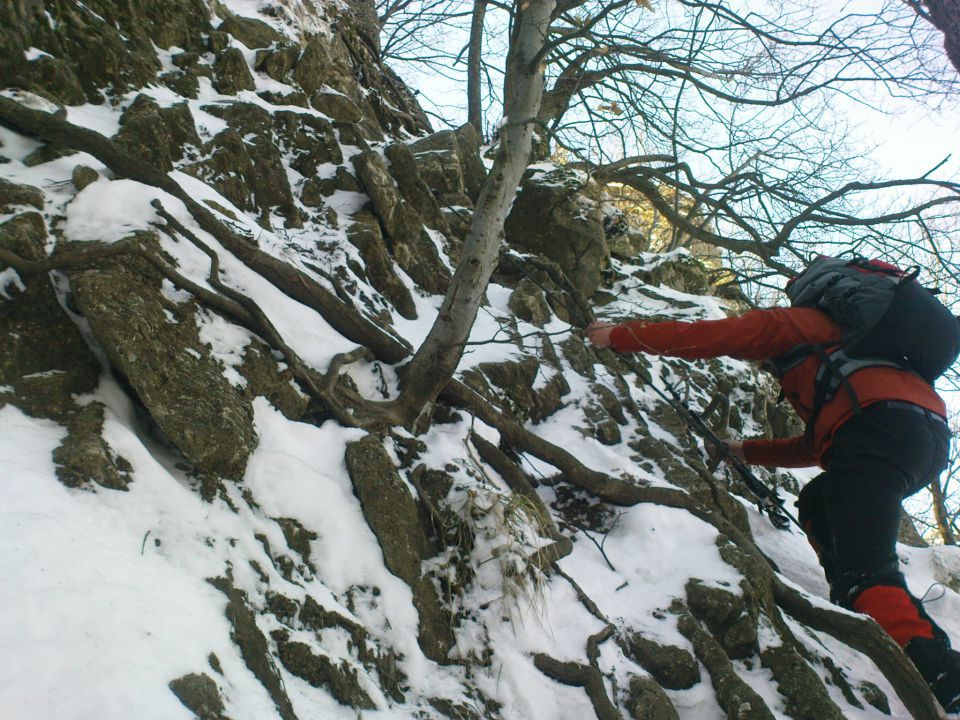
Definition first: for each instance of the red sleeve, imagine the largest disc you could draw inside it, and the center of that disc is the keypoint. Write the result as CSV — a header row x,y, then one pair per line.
x,y
756,335
785,452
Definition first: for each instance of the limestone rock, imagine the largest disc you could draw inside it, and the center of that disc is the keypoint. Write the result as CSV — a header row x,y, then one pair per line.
x,y
217,41
439,161
228,167
57,79
12,194
553,218
407,239
731,618
254,647
364,233
449,162
265,378
181,126
342,179
47,152
627,244
84,456
84,176
231,74
157,135
366,22
310,140
388,507
278,61
672,667
245,163
337,106
807,698
393,516
185,84
414,190
251,32
199,694
686,274
106,46
320,671
647,701
528,303
454,711
157,349
324,63
43,357
875,696
516,380
470,144
738,700
186,80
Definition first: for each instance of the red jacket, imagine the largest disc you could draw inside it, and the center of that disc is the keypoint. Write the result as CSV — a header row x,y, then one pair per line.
x,y
766,334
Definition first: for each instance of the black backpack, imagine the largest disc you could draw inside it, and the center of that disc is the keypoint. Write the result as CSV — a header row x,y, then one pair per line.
x,y
886,316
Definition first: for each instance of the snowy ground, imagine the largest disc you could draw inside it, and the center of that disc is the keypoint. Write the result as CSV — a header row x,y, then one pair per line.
x,y
106,595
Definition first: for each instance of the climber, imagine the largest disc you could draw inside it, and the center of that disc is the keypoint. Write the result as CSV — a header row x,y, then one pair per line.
x,y
889,445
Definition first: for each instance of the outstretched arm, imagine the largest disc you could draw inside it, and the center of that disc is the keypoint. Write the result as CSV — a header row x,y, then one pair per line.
x,y
756,335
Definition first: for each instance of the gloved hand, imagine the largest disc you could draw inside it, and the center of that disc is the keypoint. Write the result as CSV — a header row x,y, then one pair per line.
x,y
718,453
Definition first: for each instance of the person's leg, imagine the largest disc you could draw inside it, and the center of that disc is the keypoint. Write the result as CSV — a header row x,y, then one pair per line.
x,y
879,458
812,514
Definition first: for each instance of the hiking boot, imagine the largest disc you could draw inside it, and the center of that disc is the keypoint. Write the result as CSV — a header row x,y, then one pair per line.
x,y
940,667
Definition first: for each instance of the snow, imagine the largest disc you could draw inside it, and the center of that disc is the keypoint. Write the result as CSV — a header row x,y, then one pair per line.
x,y
109,211
93,602
107,596
227,343
32,53
10,279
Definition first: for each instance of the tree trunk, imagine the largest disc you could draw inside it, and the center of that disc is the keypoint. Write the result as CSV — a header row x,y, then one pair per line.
x,y
438,357
945,15
474,56
941,515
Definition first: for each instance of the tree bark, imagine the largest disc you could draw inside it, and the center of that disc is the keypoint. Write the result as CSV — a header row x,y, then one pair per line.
x,y
941,515
474,66
945,16
438,356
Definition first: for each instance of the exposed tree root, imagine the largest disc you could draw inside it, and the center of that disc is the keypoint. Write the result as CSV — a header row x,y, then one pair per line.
x,y
858,632
264,327
587,676
351,409
617,492
737,698
868,638
291,280
585,599
547,556
95,254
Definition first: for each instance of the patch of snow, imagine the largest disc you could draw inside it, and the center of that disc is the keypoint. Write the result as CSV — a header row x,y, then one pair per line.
x,y
104,119
228,343
30,100
33,53
109,211
9,277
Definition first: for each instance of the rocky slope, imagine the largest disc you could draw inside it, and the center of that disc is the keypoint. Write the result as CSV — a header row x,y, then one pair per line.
x,y
218,223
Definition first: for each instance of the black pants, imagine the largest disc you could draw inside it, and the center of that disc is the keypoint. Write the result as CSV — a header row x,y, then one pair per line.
x,y
852,511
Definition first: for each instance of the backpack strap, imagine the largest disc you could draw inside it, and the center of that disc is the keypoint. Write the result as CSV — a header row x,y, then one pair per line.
x,y
835,369
782,364
832,375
